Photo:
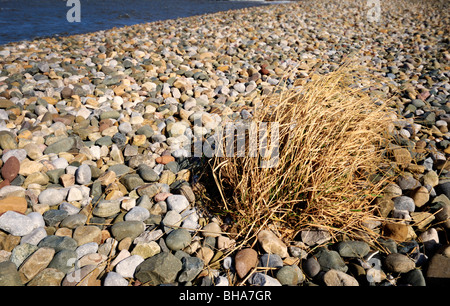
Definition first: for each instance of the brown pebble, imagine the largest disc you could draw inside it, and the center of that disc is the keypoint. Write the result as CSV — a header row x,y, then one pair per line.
x,y
11,168
245,260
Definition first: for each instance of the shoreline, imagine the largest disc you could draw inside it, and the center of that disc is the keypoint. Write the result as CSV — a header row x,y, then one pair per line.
x,y
94,127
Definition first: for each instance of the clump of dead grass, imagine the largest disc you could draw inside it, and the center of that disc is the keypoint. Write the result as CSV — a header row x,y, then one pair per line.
x,y
331,142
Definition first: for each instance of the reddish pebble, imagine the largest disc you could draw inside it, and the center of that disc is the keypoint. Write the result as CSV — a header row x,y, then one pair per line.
x,y
10,169
165,159
162,196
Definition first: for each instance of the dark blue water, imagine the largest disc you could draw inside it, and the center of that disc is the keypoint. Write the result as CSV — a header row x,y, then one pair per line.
x,y
28,19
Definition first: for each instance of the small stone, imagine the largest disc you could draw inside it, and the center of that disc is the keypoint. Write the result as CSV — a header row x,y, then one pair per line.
x,y
272,244
245,260
205,254
64,261
177,203
353,248
315,236
385,205
83,174
137,213
431,178
171,220
113,114
47,277
421,196
399,263
114,279
311,267
127,267
86,234
63,145
51,197
191,267
165,159
339,278
106,208
58,243
67,179
132,181
28,166
10,169
402,157
21,252
396,231
438,272
16,224
17,204
261,279
392,190
211,229
147,173
7,141
186,190
414,278
271,260
132,229
404,203
53,217
35,263
146,249
162,268
87,248
9,276
422,219
330,260
178,239
288,275
74,194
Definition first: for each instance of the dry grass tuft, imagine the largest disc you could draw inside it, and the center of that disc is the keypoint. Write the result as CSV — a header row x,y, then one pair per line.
x,y
331,138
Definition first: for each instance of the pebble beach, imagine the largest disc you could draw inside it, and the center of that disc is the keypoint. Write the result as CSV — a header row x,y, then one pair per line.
x,y
97,182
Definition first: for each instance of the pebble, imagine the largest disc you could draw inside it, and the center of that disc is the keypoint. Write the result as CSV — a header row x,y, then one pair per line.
x,y
245,260
330,260
211,229
146,250
404,203
51,197
162,268
288,275
133,229
17,204
261,279
339,278
35,263
9,276
137,213
272,244
178,239
10,169
83,174
353,248
177,203
127,267
191,267
15,223
63,145
114,279
399,263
